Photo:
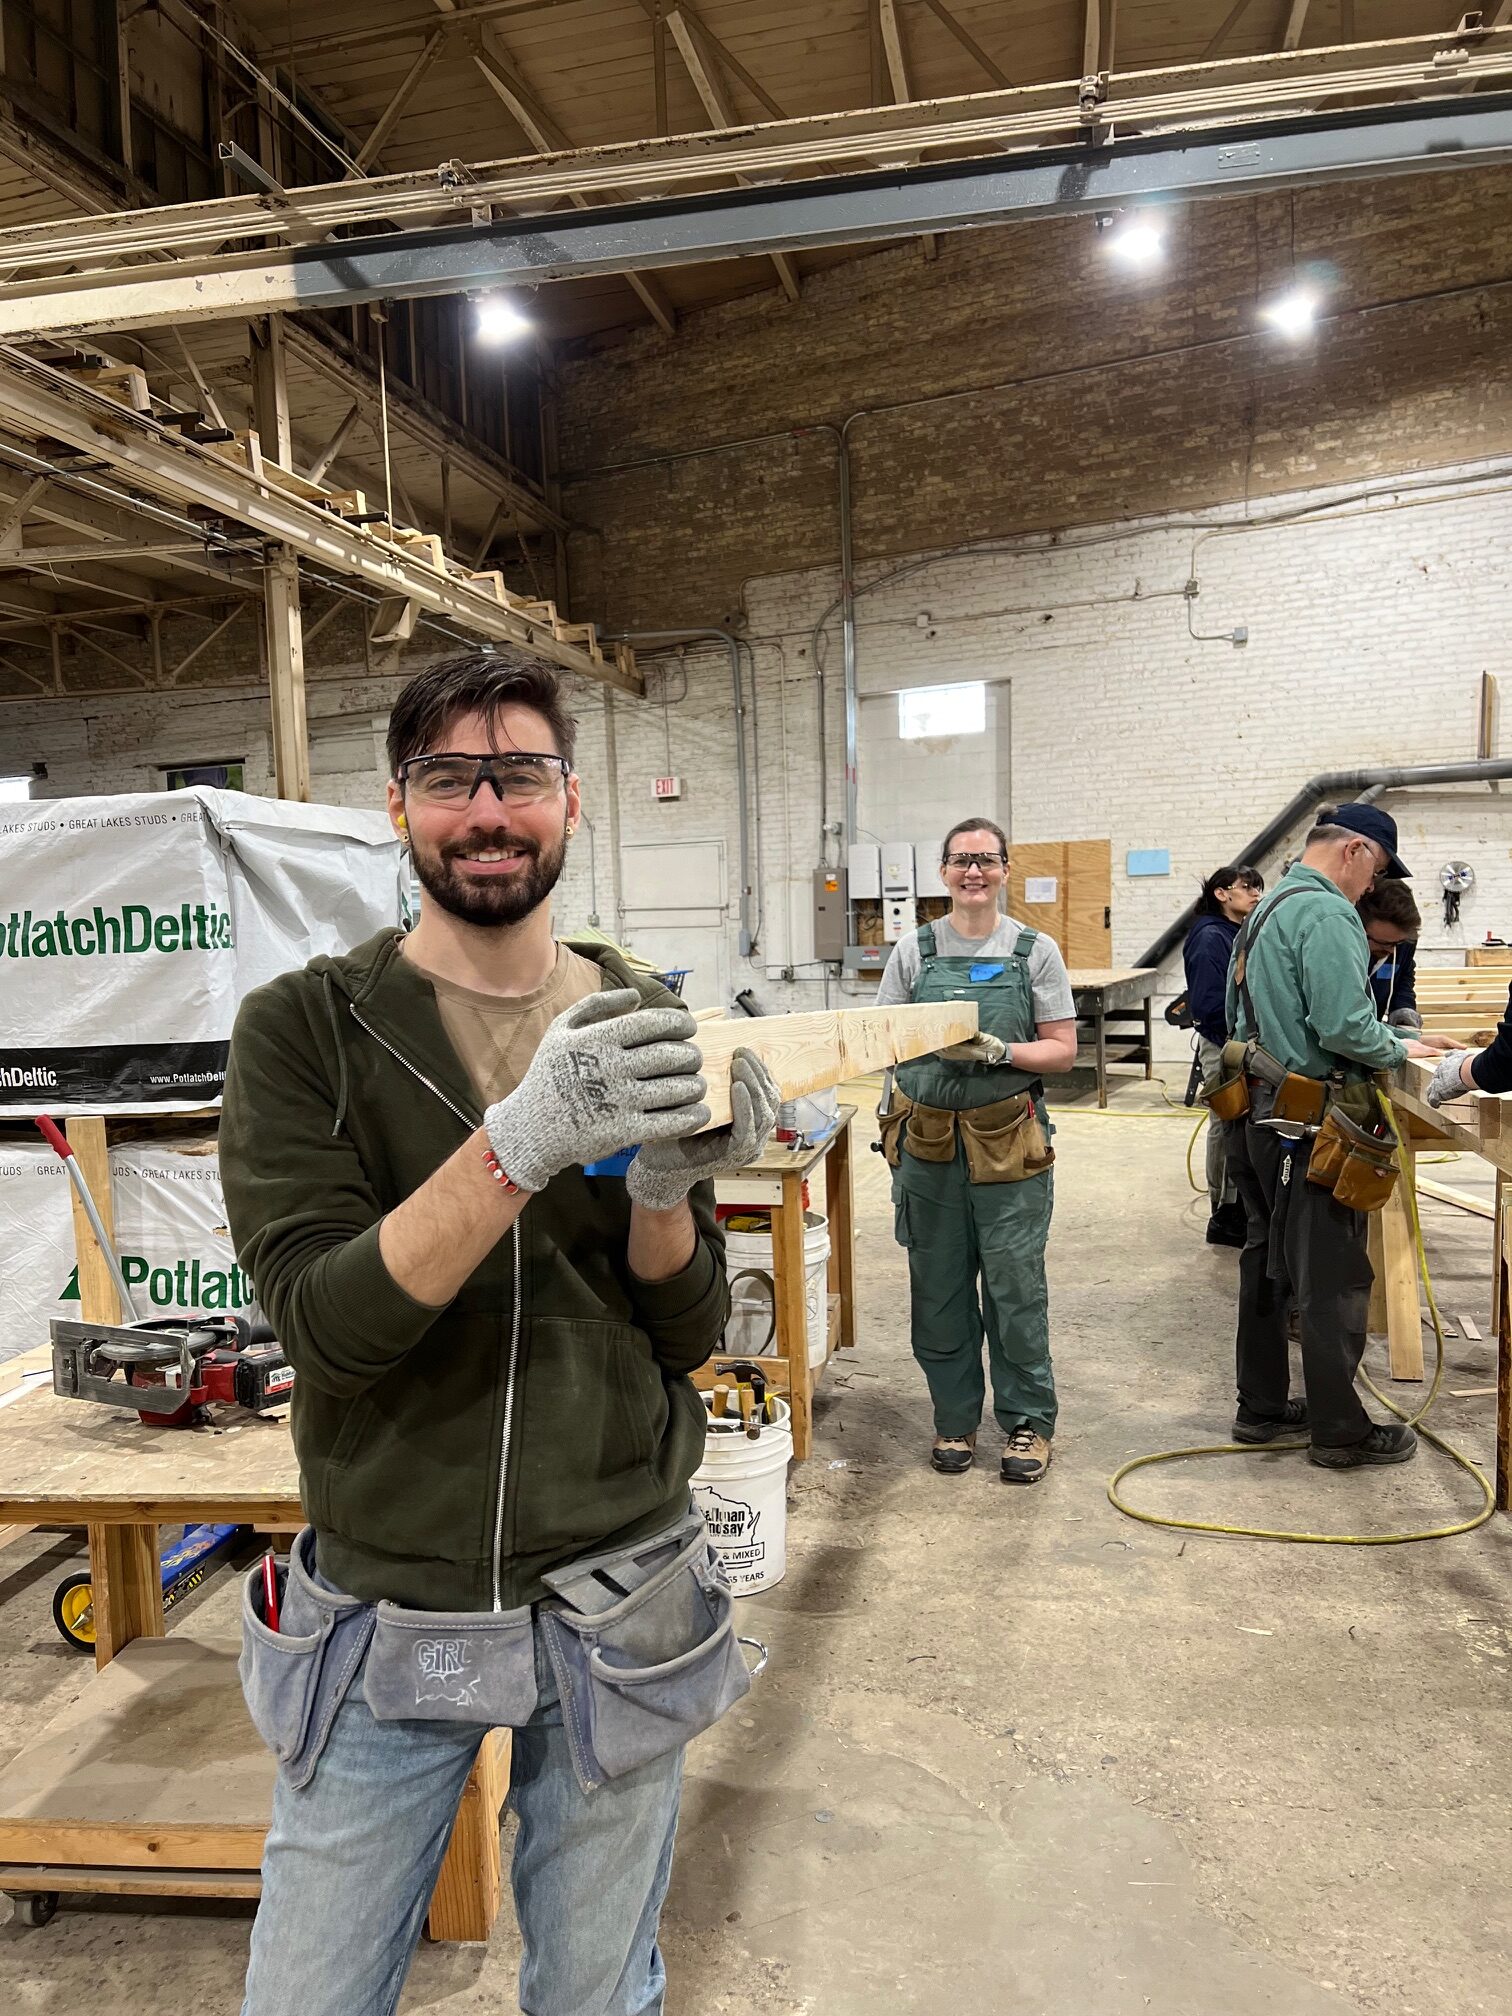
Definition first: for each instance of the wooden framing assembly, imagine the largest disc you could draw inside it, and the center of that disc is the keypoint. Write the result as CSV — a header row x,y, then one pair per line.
x,y
1480,1124
89,275
237,482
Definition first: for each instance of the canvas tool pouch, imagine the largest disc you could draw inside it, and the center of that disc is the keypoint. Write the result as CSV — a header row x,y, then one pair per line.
x,y
890,1127
1300,1101
642,1642
1357,1165
1005,1142
929,1134
1227,1096
452,1666
295,1678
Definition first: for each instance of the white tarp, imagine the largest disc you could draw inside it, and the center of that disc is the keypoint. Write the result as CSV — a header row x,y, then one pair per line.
x,y
131,927
170,1232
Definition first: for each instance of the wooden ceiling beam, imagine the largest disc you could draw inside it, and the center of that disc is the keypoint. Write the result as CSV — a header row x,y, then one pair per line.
x,y
723,55
394,110
1226,28
897,72
972,47
1296,22
717,103
498,71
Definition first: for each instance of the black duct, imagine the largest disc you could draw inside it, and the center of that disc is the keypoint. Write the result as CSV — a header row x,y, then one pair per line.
x,y
1331,787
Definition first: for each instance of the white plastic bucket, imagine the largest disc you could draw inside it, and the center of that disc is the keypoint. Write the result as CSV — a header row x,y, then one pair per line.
x,y
741,1489
750,1328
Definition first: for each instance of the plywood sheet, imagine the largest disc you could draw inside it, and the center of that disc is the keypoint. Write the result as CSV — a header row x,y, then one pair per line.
x,y
155,1765
73,1462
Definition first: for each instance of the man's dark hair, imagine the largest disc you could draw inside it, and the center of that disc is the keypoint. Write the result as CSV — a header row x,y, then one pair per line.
x,y
1226,878
974,826
1391,903
475,683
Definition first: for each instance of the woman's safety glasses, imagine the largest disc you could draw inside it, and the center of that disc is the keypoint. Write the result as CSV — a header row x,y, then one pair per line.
x,y
973,860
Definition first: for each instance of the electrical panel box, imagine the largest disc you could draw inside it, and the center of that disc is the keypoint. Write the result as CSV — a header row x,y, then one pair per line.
x,y
899,916
927,878
863,868
897,868
829,914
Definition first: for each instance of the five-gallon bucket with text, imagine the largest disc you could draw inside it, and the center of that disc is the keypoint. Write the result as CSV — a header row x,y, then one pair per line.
x,y
748,1253
741,1489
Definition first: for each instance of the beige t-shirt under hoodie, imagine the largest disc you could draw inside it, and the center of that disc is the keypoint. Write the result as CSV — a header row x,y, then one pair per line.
x,y
495,1036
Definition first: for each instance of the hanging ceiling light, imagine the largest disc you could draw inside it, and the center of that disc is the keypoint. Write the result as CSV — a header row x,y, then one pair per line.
x,y
1137,241
499,321
1293,313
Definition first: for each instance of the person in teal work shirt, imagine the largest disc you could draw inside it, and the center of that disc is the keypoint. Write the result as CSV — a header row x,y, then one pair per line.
x,y
1305,992
965,1134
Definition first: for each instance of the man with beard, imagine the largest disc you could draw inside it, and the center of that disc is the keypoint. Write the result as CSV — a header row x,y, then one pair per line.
x,y
493,1325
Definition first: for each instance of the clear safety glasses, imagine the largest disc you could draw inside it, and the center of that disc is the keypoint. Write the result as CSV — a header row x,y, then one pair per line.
x,y
452,778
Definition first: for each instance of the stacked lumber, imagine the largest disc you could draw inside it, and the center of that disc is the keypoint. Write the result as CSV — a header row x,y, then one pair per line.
x,y
1463,1002
809,1053
246,451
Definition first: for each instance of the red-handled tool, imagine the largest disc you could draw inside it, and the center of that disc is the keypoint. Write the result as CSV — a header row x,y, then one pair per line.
x,y
270,1589
56,1139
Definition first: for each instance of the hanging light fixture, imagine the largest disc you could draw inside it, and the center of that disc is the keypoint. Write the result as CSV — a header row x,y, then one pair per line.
x,y
1293,313
498,320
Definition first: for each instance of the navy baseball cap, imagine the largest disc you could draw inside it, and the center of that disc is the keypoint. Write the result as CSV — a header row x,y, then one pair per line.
x,y
1371,823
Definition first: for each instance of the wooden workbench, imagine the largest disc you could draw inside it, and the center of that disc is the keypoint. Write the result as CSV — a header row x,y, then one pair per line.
x,y
1479,1124
775,1181
1120,996
155,1780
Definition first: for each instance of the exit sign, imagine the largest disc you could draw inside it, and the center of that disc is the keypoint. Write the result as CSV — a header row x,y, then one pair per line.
x,y
666,787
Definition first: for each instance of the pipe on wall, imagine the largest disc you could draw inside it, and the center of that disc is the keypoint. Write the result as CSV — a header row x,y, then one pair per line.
x,y
713,635
1333,786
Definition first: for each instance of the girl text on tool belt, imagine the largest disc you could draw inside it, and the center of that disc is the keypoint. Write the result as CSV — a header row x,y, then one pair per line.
x,y
1228,896
494,1421
966,1137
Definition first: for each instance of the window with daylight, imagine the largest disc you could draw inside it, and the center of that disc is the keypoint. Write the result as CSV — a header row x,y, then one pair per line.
x,y
219,776
925,712
12,788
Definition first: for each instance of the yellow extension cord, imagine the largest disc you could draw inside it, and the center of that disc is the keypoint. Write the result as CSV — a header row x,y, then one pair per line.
x,y
1414,1421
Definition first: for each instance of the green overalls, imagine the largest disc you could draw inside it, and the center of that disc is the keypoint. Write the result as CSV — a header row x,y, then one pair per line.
x,y
958,1232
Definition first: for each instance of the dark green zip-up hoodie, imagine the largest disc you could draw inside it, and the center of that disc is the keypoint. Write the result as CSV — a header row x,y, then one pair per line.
x,y
449,1457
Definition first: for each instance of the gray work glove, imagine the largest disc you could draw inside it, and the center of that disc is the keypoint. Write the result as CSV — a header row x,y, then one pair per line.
x,y
1446,1082
978,1049
608,1073
1404,1018
665,1171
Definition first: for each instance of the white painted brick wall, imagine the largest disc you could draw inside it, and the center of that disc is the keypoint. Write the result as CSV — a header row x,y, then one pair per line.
x,y
1370,624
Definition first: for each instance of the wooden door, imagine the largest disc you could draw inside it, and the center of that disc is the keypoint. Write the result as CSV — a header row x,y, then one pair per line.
x,y
1065,889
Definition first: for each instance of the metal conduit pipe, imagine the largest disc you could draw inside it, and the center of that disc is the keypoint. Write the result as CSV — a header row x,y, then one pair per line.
x,y
713,635
1333,786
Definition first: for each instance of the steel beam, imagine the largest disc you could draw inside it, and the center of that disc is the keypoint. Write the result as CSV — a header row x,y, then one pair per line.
x,y
169,467
792,217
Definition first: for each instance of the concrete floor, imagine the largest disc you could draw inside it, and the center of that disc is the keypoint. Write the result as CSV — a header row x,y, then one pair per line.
x,y
1014,1750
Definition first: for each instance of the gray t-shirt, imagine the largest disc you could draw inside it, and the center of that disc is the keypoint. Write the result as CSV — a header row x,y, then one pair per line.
x,y
1048,979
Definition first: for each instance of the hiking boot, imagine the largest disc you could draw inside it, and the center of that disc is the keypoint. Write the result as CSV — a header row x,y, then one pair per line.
x,y
1387,1442
953,1455
1255,1428
1227,1226
1026,1456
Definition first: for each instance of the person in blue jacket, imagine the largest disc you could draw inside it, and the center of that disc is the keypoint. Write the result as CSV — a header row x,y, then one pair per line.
x,y
1228,896
1392,924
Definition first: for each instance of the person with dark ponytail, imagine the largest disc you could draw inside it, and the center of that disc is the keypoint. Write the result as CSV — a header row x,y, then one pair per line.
x,y
1228,896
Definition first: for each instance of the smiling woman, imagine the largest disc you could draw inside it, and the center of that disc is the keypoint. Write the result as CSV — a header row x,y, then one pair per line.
x,y
966,1135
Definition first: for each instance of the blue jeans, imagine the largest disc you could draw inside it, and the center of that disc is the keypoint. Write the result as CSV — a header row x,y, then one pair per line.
x,y
351,1860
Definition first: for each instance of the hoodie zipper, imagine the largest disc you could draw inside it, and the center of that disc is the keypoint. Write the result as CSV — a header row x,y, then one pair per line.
x,y
514,1333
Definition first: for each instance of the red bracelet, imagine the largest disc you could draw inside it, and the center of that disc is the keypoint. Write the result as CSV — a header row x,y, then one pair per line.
x,y
495,1169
